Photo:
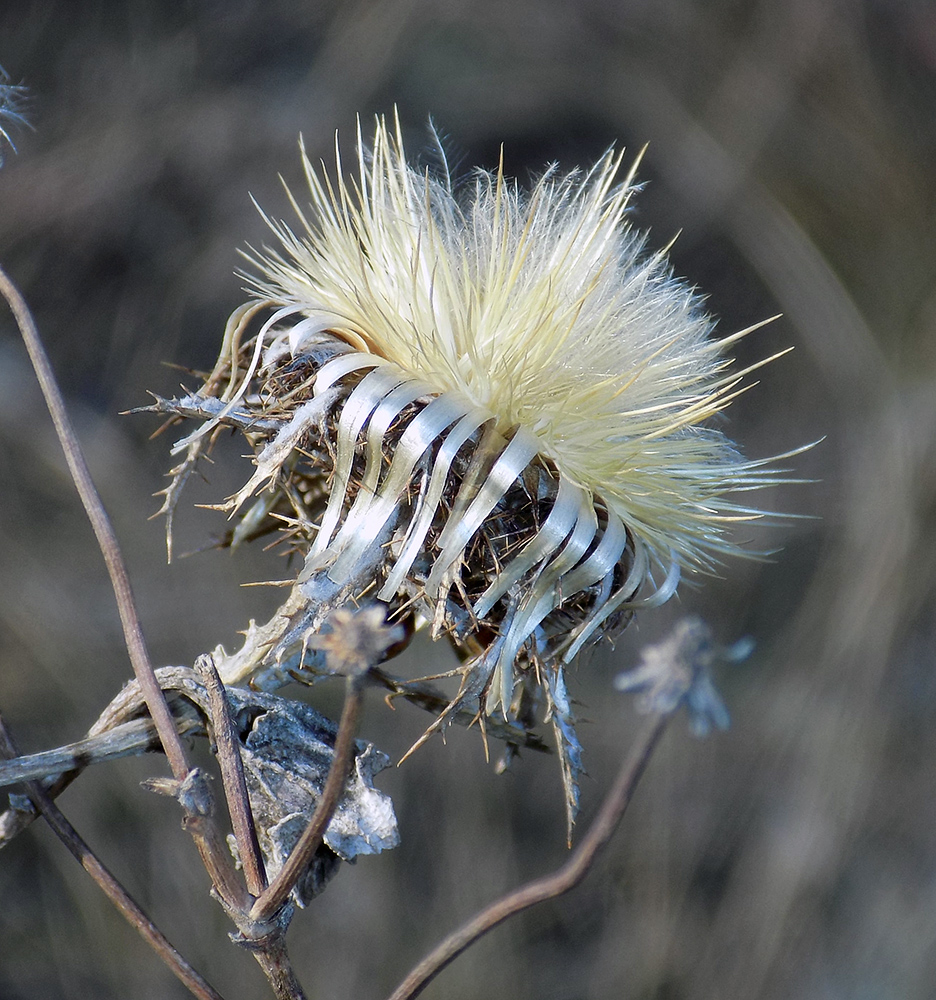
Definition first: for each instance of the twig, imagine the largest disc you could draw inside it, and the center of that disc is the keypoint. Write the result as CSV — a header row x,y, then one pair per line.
x,y
431,699
111,887
103,530
549,886
279,972
232,775
14,821
194,795
127,739
188,786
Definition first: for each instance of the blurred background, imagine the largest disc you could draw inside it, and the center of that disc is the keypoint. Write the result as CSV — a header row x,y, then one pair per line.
x,y
793,148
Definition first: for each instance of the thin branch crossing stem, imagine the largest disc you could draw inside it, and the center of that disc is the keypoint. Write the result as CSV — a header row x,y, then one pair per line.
x,y
232,775
311,839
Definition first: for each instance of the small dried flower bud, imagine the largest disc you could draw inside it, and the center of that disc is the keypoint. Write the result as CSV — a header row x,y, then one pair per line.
x,y
355,642
677,672
193,793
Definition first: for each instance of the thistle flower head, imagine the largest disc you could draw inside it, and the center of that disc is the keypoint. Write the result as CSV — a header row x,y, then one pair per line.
x,y
545,310
491,409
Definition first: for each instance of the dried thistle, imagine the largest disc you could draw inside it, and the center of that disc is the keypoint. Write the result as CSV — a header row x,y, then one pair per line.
x,y
676,673
490,413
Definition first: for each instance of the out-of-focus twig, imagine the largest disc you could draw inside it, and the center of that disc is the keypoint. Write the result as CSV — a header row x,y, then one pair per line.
x,y
550,886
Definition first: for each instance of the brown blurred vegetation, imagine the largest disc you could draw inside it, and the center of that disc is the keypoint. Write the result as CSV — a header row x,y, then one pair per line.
x,y
794,147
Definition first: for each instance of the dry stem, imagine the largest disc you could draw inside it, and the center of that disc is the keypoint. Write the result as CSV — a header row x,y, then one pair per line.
x,y
232,775
549,886
111,887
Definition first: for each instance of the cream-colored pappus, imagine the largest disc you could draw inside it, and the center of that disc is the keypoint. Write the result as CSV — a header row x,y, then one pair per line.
x,y
490,406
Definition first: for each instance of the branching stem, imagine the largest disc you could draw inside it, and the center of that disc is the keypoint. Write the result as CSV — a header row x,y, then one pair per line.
x,y
111,887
